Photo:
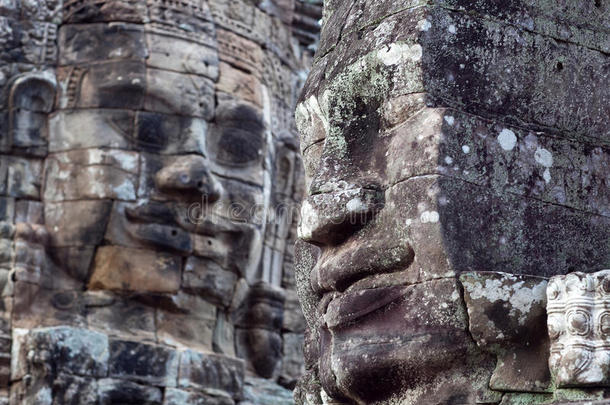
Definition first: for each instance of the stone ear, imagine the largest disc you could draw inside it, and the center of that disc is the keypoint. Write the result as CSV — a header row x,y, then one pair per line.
x,y
31,98
33,92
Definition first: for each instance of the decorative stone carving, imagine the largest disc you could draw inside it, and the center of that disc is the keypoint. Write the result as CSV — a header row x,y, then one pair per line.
x,y
578,323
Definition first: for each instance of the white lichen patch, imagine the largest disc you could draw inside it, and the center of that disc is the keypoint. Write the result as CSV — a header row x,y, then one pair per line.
x,y
424,25
429,217
519,297
543,157
309,220
507,139
452,29
547,175
448,160
356,205
466,149
398,53
449,120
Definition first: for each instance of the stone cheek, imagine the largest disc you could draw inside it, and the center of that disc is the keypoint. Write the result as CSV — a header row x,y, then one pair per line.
x,y
578,323
126,269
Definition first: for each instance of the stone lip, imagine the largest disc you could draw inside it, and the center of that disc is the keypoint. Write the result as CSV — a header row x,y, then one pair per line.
x,y
351,306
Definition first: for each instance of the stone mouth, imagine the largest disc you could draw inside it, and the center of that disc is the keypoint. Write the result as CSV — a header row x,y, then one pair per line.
x,y
351,267
167,226
177,215
348,307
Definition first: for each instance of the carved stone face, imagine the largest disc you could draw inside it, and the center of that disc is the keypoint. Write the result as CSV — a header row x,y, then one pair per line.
x,y
428,142
135,126
149,162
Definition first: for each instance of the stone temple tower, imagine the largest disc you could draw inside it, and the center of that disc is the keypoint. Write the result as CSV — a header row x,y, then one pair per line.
x,y
150,171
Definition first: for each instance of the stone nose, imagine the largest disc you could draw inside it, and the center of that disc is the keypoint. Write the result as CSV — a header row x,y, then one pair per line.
x,y
329,218
190,175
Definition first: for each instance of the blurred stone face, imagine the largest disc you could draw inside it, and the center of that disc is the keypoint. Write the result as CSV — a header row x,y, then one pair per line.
x,y
150,167
437,143
136,123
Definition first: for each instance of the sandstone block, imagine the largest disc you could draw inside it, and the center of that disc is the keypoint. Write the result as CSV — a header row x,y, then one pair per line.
x,y
77,223
70,389
262,391
175,396
143,363
506,316
186,56
239,51
91,174
36,307
78,11
69,350
122,317
179,94
211,371
239,84
187,321
115,391
118,268
21,177
82,43
224,335
293,316
209,280
79,129
119,85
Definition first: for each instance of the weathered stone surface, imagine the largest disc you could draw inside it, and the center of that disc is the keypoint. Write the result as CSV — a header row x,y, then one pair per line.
x,y
239,51
481,127
179,94
61,349
91,174
209,280
119,316
506,315
188,322
146,146
178,397
79,129
76,223
35,306
224,335
171,134
237,141
113,391
80,43
119,84
171,53
292,359
239,84
118,268
211,371
20,177
261,391
76,11
148,364
293,317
